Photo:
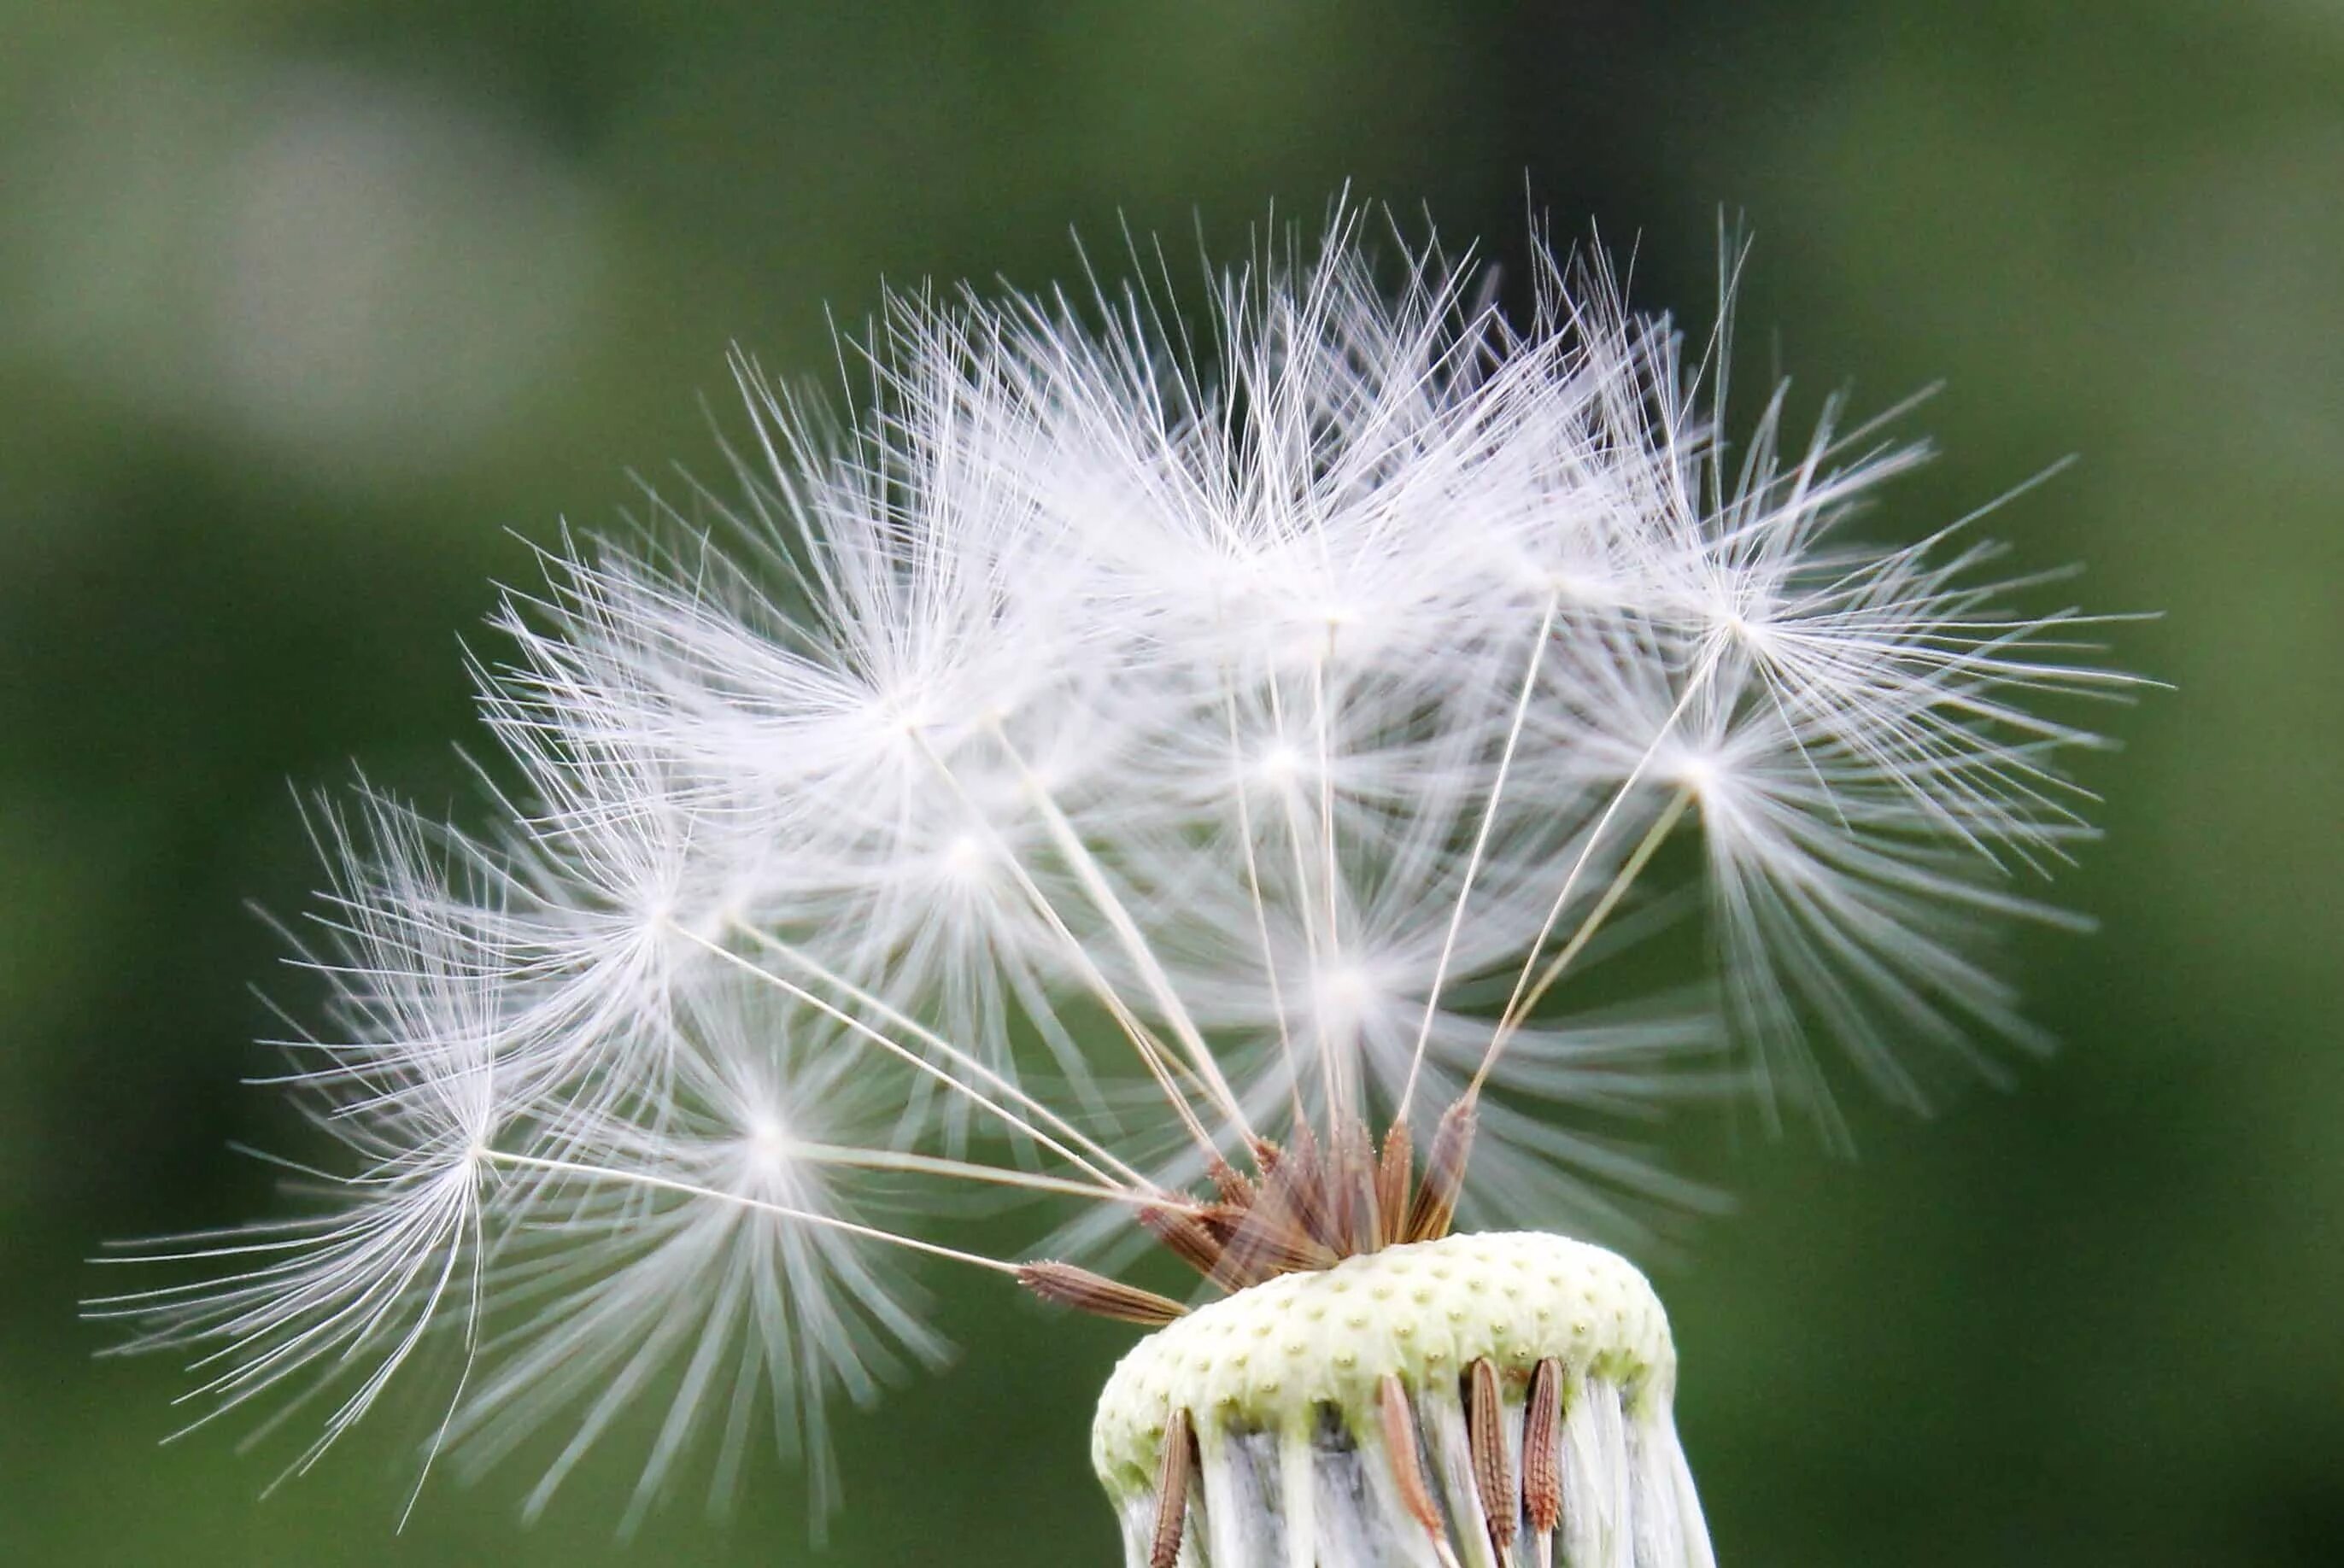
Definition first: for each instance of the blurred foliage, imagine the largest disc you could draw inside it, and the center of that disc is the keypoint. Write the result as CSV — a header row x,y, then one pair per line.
x,y
310,310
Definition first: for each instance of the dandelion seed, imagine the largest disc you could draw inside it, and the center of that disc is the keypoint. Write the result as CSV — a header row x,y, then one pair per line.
x,y
331,1304
1191,787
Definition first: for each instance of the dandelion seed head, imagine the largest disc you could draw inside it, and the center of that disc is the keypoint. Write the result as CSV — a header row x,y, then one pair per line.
x,y
1184,770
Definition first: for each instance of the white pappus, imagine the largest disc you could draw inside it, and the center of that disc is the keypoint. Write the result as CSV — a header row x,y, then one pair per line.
x,y
1175,769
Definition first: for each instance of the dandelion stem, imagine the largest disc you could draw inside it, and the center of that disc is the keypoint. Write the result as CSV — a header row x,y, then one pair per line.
x,y
1111,908
1473,861
894,1047
1241,794
973,1170
1337,1091
1297,837
715,1194
1151,1052
1629,871
962,1059
1701,675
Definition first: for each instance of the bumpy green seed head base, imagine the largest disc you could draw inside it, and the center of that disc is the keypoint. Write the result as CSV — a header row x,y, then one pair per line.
x,y
1475,1402
1271,1357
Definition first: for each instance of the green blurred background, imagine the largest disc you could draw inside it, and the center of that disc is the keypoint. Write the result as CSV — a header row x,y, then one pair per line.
x,y
307,308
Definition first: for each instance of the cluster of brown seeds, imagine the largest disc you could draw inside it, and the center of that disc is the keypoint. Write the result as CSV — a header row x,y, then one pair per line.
x,y
1506,1501
1306,1205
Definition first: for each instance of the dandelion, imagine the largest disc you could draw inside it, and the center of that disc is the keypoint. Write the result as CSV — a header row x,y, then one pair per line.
x,y
1304,700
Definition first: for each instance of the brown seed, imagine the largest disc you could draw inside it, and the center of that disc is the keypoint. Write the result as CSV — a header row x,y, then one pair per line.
x,y
1354,1188
1394,1174
1172,1472
1234,1185
1543,1455
1493,1470
1270,1238
1444,1174
1408,1468
1186,1237
1066,1285
1303,1173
